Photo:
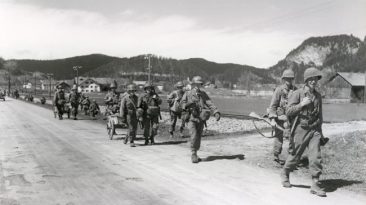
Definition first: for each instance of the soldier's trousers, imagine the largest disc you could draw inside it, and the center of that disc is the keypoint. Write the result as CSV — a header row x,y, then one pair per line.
x,y
60,109
173,120
306,139
195,131
74,109
151,126
132,127
278,139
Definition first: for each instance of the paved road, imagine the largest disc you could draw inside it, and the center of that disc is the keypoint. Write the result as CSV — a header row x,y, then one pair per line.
x,y
47,161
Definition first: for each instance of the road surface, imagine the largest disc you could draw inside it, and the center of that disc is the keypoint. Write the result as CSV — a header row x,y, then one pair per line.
x,y
47,161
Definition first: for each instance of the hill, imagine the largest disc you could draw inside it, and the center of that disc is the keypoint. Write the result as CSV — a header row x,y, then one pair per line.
x,y
329,53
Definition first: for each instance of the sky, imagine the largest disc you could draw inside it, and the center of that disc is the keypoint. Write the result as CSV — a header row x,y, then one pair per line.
x,y
251,32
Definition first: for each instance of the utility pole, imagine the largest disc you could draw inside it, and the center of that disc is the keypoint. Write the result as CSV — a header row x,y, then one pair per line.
x,y
364,90
76,68
35,83
8,81
49,76
148,57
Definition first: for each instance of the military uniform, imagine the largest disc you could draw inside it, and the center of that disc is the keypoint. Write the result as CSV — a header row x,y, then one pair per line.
x,y
199,106
305,108
174,100
149,103
59,101
128,113
74,101
277,111
86,104
94,108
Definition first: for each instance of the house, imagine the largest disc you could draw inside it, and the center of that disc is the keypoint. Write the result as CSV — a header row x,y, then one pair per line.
x,y
65,84
89,85
346,85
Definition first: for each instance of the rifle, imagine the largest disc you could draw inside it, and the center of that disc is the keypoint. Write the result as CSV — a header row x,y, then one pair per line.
x,y
255,116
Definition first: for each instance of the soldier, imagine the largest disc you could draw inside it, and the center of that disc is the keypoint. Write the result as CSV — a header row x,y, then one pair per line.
x,y
59,101
200,107
82,97
74,98
175,108
305,107
128,113
149,112
94,108
277,111
86,104
112,99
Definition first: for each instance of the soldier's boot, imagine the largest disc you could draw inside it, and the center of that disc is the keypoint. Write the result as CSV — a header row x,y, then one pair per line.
x,y
125,140
194,157
285,178
315,189
146,141
132,144
152,140
60,117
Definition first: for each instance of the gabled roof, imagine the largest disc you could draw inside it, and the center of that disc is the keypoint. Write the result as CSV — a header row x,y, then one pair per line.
x,y
354,79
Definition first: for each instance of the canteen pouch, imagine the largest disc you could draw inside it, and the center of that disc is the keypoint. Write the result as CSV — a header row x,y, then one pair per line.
x,y
153,111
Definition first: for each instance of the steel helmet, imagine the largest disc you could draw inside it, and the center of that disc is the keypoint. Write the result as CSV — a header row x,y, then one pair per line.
x,y
113,84
288,73
131,87
179,84
148,85
312,72
197,80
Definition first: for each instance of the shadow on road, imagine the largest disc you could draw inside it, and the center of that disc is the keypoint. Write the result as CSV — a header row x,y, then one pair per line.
x,y
213,158
331,185
171,142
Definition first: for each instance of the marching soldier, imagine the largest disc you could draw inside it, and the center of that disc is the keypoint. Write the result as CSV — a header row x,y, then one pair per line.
x,y
59,101
86,104
174,101
94,108
277,111
149,112
74,98
128,113
112,99
305,107
200,107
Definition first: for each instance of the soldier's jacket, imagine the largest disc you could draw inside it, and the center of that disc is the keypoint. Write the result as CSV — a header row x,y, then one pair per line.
x,y
86,102
74,98
128,105
174,100
149,104
310,116
279,100
196,102
59,98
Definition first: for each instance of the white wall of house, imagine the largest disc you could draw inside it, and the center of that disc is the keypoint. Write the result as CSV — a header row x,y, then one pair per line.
x,y
91,88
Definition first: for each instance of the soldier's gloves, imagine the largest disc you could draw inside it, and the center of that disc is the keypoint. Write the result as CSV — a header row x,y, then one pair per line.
x,y
217,116
140,119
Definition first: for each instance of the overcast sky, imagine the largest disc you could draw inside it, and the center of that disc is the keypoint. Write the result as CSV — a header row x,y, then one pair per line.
x,y
252,32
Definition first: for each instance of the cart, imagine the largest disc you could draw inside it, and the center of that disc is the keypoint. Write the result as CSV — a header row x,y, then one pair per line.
x,y
113,122
67,110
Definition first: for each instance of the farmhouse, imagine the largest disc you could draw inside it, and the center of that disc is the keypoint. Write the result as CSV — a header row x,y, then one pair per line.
x,y
344,85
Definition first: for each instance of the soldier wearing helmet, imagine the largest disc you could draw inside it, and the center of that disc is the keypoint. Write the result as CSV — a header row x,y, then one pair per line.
x,y
94,108
277,110
305,107
199,107
74,99
112,99
128,113
175,108
59,101
149,112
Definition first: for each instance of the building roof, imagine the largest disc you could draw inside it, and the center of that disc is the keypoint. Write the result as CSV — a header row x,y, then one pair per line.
x,y
355,79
